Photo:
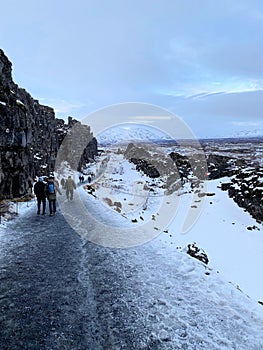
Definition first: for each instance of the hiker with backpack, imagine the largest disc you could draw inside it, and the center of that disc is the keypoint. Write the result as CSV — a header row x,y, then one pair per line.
x,y
70,186
40,192
52,188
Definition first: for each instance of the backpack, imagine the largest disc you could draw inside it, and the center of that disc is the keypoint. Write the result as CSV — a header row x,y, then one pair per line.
x,y
51,188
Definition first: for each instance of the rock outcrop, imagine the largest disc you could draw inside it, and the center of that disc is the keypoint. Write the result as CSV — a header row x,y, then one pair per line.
x,y
197,253
246,182
142,158
246,189
30,136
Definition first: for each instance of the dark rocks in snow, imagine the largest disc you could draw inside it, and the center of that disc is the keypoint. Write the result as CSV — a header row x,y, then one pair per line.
x,y
246,189
143,160
219,166
203,194
191,167
246,186
30,136
197,253
182,164
226,186
254,227
146,167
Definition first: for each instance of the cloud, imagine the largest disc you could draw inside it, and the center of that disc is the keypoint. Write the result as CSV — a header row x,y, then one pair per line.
x,y
62,106
247,123
206,89
150,119
201,60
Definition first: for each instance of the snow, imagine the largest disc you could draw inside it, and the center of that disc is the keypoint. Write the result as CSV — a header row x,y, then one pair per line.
x,y
20,208
177,292
37,157
221,229
3,103
121,183
20,102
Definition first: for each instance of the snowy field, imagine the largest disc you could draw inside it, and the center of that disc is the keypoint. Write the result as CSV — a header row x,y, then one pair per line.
x,y
221,228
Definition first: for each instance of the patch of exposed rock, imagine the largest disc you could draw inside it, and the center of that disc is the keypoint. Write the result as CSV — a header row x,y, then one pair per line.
x,y
197,253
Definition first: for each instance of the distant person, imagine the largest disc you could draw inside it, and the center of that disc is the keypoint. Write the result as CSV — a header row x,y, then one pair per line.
x,y
30,185
70,186
82,178
51,190
40,192
62,182
89,179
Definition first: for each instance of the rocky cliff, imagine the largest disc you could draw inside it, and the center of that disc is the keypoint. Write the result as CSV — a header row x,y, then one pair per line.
x,y
30,136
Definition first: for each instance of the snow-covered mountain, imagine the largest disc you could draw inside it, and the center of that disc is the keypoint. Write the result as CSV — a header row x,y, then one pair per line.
x,y
131,132
251,133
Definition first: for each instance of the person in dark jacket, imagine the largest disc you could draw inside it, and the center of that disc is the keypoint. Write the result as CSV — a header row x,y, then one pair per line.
x,y
40,192
52,189
62,182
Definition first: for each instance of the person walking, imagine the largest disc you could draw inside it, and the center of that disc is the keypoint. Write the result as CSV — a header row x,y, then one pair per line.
x,y
62,182
40,192
30,185
52,189
70,186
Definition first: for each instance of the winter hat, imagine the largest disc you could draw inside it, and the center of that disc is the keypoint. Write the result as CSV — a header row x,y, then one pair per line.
x,y
40,178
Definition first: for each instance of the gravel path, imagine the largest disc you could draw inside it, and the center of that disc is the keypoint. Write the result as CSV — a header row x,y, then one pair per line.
x,y
41,293
50,296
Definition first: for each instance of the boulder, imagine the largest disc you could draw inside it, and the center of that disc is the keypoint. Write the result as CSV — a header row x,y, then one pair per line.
x,y
197,253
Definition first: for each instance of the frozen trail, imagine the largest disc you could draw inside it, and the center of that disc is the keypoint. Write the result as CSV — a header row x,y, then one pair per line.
x,y
58,291
41,292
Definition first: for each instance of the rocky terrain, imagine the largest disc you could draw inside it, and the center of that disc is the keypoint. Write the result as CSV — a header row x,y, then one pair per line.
x,y
246,188
30,136
238,160
241,162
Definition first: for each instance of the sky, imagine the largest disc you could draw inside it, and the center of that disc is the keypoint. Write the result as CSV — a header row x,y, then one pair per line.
x,y
201,60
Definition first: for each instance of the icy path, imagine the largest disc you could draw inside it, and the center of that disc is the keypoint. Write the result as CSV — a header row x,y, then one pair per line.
x,y
58,291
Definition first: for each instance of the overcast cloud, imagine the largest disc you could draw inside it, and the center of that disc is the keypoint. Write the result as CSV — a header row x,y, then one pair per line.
x,y
202,60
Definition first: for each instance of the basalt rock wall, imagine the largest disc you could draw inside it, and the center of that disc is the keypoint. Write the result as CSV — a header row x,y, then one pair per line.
x,y
30,136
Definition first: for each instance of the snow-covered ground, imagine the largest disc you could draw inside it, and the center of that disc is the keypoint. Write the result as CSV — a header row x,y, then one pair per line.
x,y
221,230
221,227
216,303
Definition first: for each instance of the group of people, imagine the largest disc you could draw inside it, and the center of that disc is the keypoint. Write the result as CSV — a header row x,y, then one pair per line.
x,y
48,190
81,178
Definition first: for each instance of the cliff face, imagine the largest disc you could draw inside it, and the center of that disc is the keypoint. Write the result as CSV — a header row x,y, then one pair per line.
x,y
30,136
